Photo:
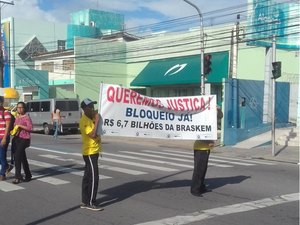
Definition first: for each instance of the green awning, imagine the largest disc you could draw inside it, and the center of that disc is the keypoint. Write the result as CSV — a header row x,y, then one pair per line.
x,y
183,70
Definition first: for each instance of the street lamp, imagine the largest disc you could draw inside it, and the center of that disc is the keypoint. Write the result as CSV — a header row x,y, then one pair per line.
x,y
202,87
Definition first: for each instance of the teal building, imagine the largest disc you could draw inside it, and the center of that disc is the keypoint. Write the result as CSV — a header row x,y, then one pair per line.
x,y
93,24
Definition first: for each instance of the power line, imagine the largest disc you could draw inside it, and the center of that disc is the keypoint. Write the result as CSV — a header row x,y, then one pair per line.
x,y
173,23
139,48
191,40
174,44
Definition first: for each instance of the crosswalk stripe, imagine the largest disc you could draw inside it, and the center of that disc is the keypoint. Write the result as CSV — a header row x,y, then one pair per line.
x,y
46,177
176,153
185,160
166,169
106,167
123,170
196,217
130,163
150,160
53,180
244,160
7,187
211,158
187,154
61,168
157,156
235,163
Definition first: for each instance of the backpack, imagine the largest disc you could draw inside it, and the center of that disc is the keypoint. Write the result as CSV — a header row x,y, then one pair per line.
x,y
12,121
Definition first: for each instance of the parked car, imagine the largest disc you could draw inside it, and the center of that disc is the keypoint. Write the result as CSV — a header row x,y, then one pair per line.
x,y
40,114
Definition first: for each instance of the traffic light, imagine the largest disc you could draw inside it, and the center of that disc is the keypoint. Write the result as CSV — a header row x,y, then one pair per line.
x,y
276,70
207,64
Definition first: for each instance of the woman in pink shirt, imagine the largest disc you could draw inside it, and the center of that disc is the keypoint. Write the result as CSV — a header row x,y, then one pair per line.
x,y
21,141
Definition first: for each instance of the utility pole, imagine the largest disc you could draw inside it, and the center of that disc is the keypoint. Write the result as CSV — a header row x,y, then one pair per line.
x,y
273,96
1,44
233,73
235,38
202,78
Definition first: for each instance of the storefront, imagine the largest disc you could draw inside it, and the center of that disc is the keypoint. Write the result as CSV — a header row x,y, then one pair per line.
x,y
181,76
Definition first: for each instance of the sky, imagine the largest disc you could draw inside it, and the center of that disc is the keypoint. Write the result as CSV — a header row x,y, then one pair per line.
x,y
137,12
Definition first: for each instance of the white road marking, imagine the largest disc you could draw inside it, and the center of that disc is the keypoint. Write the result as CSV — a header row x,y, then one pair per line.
x,y
173,153
160,168
53,181
159,156
7,187
61,168
127,162
244,160
46,177
150,160
235,163
53,151
225,210
186,154
178,159
123,170
212,158
106,167
115,160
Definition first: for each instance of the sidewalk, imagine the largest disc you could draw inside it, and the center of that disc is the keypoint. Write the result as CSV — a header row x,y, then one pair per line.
x,y
282,154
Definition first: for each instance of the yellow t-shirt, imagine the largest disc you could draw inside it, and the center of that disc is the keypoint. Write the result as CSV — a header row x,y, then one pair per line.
x,y
90,145
203,145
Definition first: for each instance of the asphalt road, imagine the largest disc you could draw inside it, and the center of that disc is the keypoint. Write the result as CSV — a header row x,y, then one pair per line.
x,y
149,184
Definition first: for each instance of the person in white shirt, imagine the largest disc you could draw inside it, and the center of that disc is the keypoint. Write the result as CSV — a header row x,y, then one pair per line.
x,y
56,121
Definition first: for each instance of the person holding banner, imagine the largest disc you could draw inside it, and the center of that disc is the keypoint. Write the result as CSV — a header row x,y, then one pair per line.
x,y
91,147
201,154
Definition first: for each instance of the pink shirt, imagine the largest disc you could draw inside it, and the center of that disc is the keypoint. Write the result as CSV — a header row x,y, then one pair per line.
x,y
24,121
4,116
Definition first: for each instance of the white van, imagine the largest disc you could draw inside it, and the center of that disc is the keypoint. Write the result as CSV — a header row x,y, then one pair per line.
x,y
40,113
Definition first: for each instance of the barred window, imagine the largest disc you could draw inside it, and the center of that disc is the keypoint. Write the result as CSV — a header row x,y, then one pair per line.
x,y
68,64
49,66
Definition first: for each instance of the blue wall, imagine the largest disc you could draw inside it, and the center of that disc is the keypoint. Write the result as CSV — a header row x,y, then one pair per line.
x,y
243,109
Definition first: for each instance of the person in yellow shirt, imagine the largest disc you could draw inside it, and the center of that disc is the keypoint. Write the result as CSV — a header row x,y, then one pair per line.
x,y
201,154
91,147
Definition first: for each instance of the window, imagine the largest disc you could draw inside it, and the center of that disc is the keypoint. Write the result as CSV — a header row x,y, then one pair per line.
x,y
49,66
67,105
45,106
73,106
34,106
68,64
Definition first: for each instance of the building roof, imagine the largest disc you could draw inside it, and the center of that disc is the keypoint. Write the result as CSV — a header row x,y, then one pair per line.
x,y
54,54
122,34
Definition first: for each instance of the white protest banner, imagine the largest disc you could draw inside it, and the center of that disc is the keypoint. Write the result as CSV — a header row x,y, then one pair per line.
x,y
127,113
